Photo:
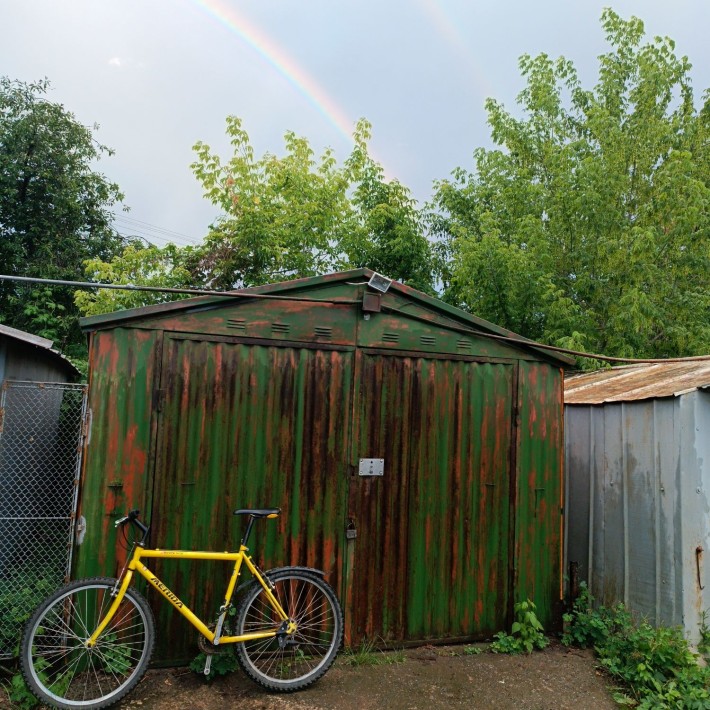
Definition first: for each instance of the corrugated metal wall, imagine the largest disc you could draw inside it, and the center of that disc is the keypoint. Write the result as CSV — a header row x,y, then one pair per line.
x,y
432,550
638,501
539,491
230,413
117,471
274,403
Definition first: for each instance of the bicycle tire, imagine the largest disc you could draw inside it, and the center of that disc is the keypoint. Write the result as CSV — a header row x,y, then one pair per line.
x,y
61,671
301,659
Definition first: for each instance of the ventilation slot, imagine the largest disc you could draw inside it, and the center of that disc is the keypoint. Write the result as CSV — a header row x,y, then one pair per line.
x,y
280,328
390,337
427,340
237,325
464,346
323,332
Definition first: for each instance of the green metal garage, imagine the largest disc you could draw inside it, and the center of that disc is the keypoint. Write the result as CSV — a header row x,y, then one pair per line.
x,y
418,460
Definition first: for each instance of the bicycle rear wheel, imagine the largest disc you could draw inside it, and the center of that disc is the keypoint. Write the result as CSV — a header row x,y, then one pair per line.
x,y
57,665
297,660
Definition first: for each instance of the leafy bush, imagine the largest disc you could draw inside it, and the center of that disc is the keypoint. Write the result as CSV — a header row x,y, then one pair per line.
x,y
19,694
20,594
526,632
657,664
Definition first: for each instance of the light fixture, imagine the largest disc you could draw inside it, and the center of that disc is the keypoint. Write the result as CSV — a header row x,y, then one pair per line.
x,y
379,282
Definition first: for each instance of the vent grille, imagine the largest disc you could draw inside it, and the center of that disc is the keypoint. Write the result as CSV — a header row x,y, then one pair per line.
x,y
323,332
280,328
390,337
237,325
427,340
464,345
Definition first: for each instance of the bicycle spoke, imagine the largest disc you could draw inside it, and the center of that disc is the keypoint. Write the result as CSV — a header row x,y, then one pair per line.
x,y
62,669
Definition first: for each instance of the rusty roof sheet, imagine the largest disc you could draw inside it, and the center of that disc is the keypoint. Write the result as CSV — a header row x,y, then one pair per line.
x,y
635,382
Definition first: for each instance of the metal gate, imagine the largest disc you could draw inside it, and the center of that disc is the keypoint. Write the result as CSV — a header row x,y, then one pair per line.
x,y
41,436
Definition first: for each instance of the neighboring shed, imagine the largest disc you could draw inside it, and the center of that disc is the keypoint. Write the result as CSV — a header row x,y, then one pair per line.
x,y
28,357
638,469
275,395
40,430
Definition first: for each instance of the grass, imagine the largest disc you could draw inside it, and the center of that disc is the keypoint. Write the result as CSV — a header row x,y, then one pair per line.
x,y
367,654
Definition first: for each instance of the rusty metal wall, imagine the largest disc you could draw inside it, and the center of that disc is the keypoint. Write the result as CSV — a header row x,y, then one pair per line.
x,y
431,558
117,461
248,426
539,493
639,495
274,403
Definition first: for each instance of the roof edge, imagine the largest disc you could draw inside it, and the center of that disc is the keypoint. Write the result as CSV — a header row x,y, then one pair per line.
x,y
116,318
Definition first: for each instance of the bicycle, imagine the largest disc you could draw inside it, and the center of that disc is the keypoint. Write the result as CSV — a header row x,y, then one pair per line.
x,y
89,644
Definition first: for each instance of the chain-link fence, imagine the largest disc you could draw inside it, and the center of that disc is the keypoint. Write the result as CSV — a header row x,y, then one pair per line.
x,y
40,454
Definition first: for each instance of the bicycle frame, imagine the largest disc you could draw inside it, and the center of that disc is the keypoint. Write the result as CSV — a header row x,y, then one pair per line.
x,y
136,565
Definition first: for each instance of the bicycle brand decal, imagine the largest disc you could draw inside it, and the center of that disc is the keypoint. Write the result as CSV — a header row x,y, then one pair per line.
x,y
166,592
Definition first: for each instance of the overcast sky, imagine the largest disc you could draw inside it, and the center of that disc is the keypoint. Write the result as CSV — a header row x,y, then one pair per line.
x,y
159,75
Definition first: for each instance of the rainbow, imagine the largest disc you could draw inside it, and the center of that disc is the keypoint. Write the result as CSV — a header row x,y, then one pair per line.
x,y
267,49
450,32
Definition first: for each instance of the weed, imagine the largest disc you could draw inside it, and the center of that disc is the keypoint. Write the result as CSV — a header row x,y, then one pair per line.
x,y
367,654
20,695
472,650
526,633
656,663
223,663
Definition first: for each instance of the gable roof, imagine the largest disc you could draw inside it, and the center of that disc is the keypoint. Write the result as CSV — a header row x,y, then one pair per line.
x,y
306,288
637,382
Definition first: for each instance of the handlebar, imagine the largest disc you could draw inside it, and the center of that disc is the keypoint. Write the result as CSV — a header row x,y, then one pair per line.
x,y
132,518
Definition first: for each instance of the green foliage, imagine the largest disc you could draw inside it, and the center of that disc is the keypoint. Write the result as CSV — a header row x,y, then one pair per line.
x,y
116,659
472,650
656,663
589,224
55,210
223,663
20,594
295,216
138,265
589,627
367,654
19,694
526,633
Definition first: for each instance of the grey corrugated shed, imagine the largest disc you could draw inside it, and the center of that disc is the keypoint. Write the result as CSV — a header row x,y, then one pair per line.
x,y
28,357
638,490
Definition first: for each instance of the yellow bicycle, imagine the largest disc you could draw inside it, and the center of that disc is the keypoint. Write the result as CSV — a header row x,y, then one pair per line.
x,y
90,643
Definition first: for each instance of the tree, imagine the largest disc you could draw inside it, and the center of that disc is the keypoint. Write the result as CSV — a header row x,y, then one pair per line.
x,y
55,210
138,265
390,234
588,226
296,216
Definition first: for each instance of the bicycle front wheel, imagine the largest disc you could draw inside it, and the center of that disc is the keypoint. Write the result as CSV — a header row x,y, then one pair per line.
x,y
58,666
294,661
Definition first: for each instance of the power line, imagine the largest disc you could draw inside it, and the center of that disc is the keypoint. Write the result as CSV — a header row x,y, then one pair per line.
x,y
128,227
449,326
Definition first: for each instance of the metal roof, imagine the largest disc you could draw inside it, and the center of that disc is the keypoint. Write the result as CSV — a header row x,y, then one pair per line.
x,y
39,342
303,286
636,382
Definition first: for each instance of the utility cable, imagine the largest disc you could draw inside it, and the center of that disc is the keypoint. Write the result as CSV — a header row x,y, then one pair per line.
x,y
449,326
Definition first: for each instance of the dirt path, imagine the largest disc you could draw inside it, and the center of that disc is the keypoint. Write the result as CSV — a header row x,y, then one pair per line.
x,y
428,679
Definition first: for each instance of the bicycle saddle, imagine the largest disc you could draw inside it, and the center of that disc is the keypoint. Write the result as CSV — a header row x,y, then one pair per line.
x,y
259,512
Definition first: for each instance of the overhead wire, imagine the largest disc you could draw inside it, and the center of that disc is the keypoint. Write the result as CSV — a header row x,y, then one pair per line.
x,y
247,294
130,227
